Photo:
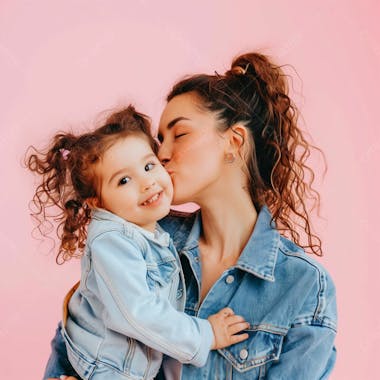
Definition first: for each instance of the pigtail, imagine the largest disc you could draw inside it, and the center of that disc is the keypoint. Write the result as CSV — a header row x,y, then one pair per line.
x,y
52,166
74,232
55,200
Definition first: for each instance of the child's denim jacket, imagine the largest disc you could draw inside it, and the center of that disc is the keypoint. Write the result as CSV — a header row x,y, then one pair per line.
x,y
127,310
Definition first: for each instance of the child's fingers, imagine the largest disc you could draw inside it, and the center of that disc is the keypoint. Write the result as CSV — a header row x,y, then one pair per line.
x,y
227,311
237,327
239,338
232,319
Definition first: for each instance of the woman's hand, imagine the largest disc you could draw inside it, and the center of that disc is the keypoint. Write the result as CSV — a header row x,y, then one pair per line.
x,y
63,377
226,325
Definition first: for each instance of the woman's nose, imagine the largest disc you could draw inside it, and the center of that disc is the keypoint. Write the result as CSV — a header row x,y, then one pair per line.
x,y
164,153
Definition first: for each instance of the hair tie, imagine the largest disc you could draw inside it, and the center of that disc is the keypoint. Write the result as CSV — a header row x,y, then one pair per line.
x,y
65,153
240,70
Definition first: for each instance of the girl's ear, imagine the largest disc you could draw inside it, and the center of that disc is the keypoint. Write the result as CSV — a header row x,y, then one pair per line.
x,y
93,202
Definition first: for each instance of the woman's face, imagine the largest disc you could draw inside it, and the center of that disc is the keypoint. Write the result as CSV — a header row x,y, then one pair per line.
x,y
192,149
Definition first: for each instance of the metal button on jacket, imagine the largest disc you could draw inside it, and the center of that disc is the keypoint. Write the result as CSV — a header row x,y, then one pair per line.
x,y
243,354
230,279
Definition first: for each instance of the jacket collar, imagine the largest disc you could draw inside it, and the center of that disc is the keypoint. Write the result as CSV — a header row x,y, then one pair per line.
x,y
259,256
159,236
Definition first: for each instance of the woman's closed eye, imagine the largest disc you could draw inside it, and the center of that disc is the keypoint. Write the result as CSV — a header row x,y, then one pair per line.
x,y
180,135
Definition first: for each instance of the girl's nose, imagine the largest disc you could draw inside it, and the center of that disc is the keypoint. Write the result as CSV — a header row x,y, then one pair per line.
x,y
148,184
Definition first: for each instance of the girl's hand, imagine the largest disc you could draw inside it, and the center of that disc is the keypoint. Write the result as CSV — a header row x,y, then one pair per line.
x,y
226,325
63,377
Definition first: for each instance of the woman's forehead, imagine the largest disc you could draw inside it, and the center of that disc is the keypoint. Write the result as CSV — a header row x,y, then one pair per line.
x,y
181,106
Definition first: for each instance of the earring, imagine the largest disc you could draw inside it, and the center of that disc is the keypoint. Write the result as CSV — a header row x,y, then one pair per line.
x,y
229,158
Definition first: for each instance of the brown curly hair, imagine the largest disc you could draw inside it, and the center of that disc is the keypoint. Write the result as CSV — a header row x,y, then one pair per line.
x,y
67,169
254,92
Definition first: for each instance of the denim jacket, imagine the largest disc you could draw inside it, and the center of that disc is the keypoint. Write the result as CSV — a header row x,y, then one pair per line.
x,y
287,297
128,308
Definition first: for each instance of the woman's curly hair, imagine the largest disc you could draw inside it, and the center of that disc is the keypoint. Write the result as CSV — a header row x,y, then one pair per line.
x,y
254,92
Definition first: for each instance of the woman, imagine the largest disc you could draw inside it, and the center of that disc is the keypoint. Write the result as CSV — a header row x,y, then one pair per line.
x,y
231,144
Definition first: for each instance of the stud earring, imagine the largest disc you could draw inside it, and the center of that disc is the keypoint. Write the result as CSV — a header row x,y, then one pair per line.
x,y
229,158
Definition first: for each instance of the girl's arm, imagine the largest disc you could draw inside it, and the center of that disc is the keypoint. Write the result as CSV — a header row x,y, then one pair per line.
x,y
134,310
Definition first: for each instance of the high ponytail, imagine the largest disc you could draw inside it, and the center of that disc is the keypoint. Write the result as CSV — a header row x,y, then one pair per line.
x,y
254,92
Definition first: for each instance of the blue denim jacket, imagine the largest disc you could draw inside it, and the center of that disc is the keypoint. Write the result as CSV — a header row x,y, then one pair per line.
x,y
287,297
114,334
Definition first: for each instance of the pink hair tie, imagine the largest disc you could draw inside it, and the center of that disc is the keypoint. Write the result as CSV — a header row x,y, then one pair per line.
x,y
65,153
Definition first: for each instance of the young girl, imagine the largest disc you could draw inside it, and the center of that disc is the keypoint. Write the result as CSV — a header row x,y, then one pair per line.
x,y
127,310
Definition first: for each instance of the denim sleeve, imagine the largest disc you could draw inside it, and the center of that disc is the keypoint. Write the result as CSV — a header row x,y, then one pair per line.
x,y
58,363
308,350
308,353
134,310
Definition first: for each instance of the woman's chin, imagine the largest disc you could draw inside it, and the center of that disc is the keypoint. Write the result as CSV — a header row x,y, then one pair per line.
x,y
177,202
178,199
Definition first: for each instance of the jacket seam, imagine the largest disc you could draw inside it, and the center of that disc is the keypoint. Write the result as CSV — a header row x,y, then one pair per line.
x,y
321,282
311,321
136,241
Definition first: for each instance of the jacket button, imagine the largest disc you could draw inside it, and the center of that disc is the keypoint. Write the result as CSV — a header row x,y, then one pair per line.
x,y
230,279
243,354
179,293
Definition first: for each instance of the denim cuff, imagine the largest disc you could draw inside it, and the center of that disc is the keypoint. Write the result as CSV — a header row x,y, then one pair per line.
x,y
207,335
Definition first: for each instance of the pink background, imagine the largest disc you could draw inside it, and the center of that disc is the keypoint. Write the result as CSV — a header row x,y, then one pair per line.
x,y
63,62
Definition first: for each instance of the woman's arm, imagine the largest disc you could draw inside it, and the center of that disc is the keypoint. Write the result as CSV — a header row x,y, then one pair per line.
x,y
58,363
308,350
308,353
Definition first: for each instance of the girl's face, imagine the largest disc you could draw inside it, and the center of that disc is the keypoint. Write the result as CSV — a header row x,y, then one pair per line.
x,y
134,185
192,149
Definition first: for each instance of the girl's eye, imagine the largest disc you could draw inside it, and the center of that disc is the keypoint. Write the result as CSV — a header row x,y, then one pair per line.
x,y
124,181
149,166
180,135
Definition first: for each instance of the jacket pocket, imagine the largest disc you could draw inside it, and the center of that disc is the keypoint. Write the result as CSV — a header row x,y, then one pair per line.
x,y
82,365
259,349
161,274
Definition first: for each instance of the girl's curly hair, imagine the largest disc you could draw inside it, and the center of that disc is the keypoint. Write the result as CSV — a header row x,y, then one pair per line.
x,y
67,170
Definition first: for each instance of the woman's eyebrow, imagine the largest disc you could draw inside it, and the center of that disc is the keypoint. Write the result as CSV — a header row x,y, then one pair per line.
x,y
175,121
171,125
